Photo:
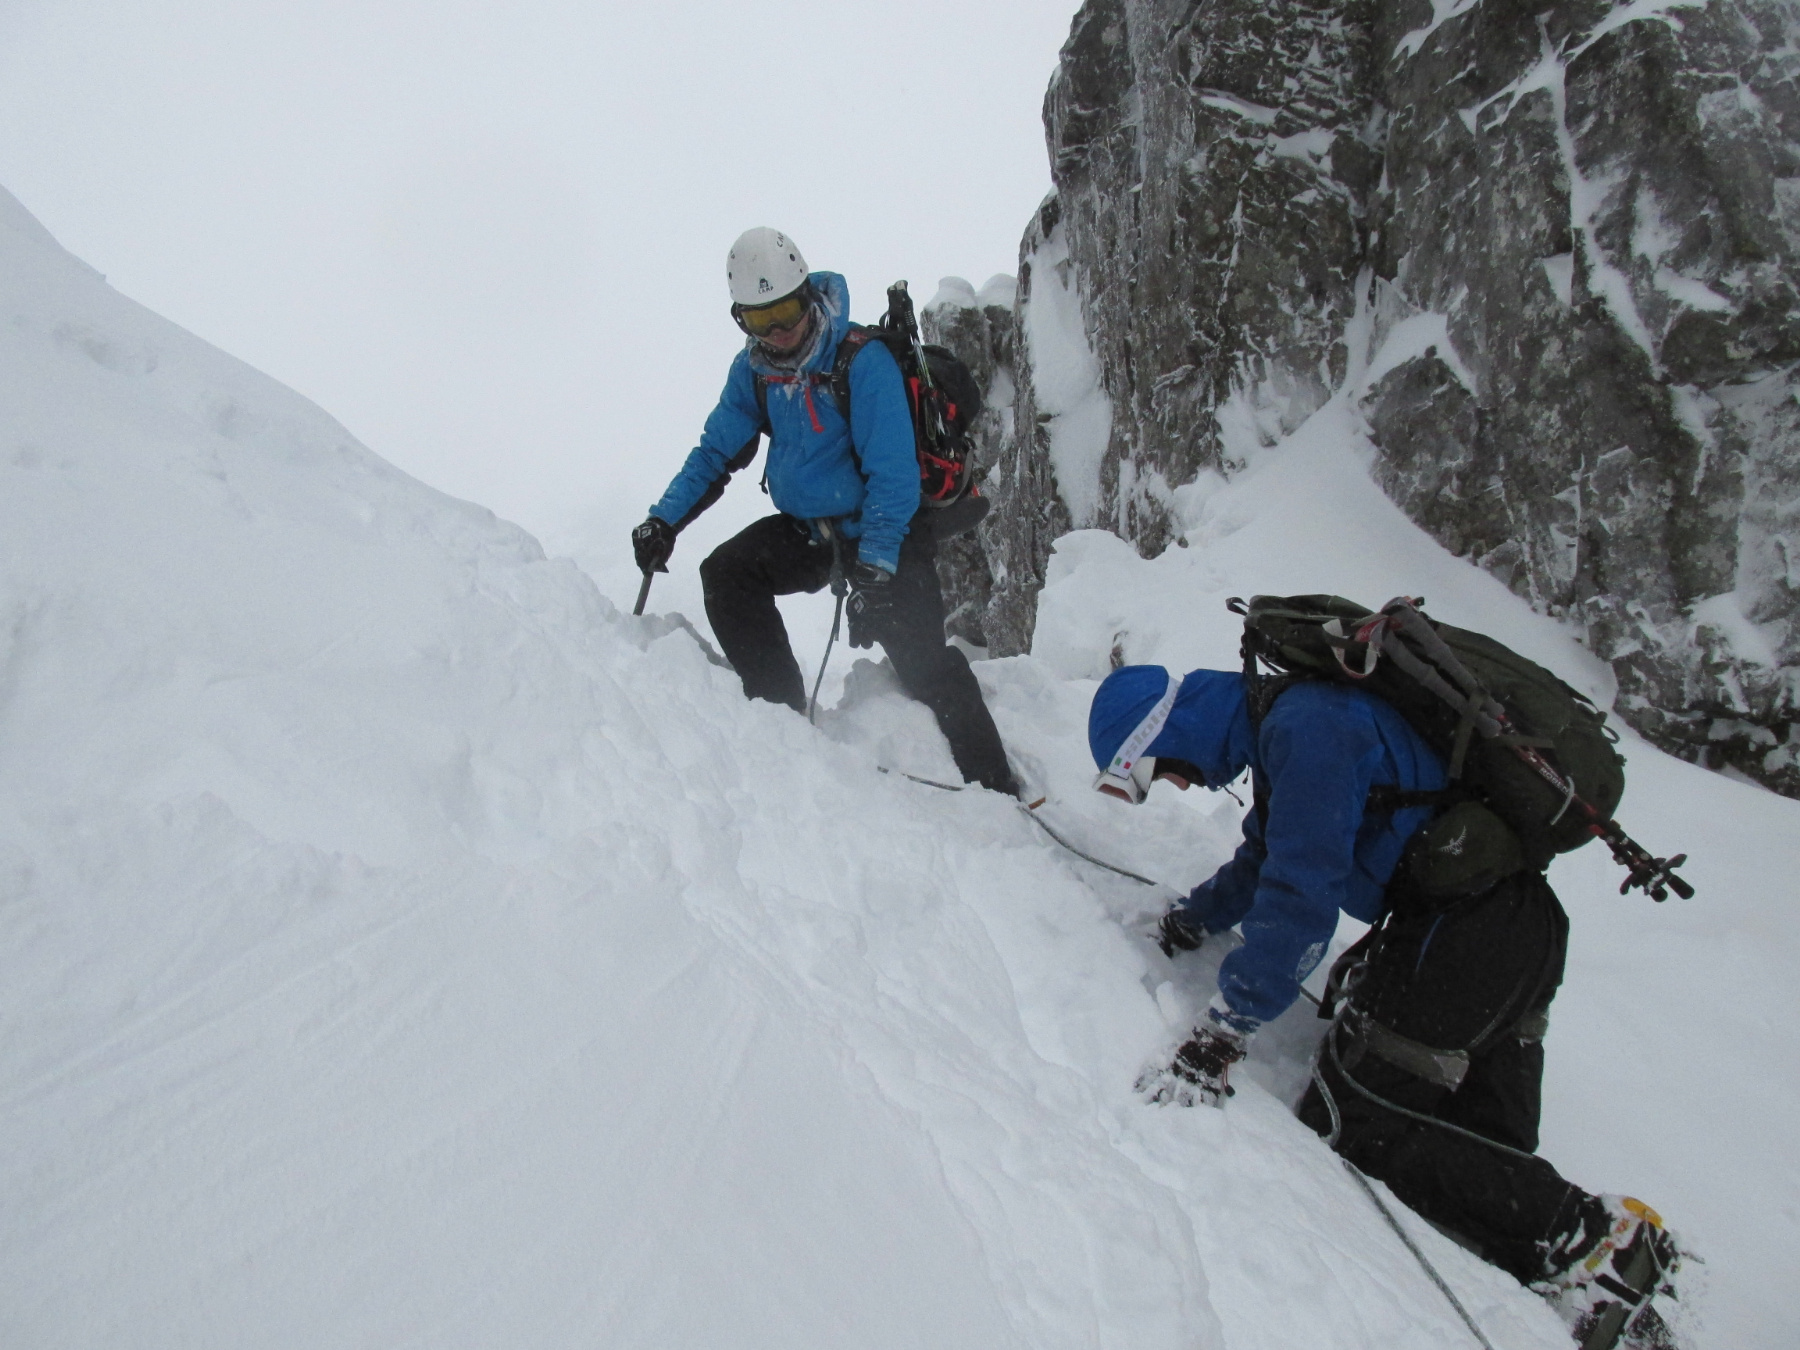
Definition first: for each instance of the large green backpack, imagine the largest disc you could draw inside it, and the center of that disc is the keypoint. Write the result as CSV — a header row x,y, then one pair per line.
x,y
1534,769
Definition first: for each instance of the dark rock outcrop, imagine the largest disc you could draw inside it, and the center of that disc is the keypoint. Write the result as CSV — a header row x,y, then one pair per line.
x,y
980,327
1601,203
1553,250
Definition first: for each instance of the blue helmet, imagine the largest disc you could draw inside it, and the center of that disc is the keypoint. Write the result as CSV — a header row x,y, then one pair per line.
x,y
1207,723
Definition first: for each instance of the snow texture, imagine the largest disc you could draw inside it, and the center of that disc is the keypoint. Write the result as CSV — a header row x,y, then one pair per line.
x,y
401,946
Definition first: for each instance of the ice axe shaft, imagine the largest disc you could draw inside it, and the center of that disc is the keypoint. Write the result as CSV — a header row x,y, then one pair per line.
x,y
643,594
839,587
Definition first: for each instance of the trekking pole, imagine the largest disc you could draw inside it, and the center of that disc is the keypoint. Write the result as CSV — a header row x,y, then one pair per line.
x,y
1655,875
643,594
838,588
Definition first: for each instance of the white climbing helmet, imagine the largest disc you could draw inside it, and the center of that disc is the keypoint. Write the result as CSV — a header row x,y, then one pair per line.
x,y
763,266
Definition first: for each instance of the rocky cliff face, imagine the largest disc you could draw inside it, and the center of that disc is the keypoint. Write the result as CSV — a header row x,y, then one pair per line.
x,y
981,600
1553,250
1604,205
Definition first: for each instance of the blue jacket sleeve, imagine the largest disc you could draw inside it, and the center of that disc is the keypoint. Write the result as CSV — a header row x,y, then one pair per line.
x,y
1223,899
1319,765
881,429
728,431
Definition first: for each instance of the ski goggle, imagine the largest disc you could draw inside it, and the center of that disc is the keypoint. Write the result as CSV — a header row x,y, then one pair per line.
x,y
1132,786
1129,774
761,320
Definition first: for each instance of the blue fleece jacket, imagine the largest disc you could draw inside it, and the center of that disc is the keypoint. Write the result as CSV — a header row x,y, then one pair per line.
x,y
1319,751
863,470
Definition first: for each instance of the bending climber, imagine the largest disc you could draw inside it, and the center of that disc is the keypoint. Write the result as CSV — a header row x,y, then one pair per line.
x,y
1430,1076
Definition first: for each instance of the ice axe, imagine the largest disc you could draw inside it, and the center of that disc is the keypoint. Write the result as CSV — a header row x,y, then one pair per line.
x,y
643,594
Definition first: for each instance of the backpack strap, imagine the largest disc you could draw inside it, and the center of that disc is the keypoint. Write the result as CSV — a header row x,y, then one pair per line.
x,y
762,402
850,346
837,384
1387,798
1260,692
763,427
1260,689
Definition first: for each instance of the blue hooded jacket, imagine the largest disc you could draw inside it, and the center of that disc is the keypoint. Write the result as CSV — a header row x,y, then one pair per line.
x,y
1319,751
864,470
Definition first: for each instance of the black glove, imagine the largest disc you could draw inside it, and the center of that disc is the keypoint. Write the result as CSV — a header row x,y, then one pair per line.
x,y
1200,1071
871,602
653,542
1174,933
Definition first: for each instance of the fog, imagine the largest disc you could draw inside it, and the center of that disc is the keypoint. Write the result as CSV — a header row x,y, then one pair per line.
x,y
491,239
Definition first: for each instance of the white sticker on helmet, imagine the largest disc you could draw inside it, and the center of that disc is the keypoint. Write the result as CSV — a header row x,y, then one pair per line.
x,y
1146,731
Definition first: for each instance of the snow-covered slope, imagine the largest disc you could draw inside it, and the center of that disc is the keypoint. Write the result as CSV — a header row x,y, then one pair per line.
x,y
399,946
1673,1059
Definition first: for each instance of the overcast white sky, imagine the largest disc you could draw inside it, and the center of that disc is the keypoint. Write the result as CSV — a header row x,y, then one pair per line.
x,y
490,238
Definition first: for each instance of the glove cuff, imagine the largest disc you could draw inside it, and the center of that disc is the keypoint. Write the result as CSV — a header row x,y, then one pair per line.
x,y
1222,1021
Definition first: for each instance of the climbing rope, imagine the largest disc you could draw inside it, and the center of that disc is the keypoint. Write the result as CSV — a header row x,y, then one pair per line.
x,y
1045,826
1420,1256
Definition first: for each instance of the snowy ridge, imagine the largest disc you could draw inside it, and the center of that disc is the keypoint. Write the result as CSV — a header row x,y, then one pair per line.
x,y
402,947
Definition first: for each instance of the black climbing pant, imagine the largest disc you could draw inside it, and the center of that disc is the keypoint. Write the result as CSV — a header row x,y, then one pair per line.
x,y
778,556
1475,975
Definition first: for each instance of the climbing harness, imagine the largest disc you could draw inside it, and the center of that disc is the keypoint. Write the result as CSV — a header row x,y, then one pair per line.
x,y
1337,1127
1328,1046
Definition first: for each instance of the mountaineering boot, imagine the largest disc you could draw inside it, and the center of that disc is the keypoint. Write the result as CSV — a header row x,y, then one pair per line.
x,y
1601,1275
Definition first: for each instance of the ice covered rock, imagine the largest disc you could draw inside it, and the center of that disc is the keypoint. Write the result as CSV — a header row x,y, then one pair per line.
x,y
1551,252
1599,201
989,602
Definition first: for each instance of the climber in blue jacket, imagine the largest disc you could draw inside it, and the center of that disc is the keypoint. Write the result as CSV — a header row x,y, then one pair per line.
x,y
845,484
1310,850
817,471
1431,1075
